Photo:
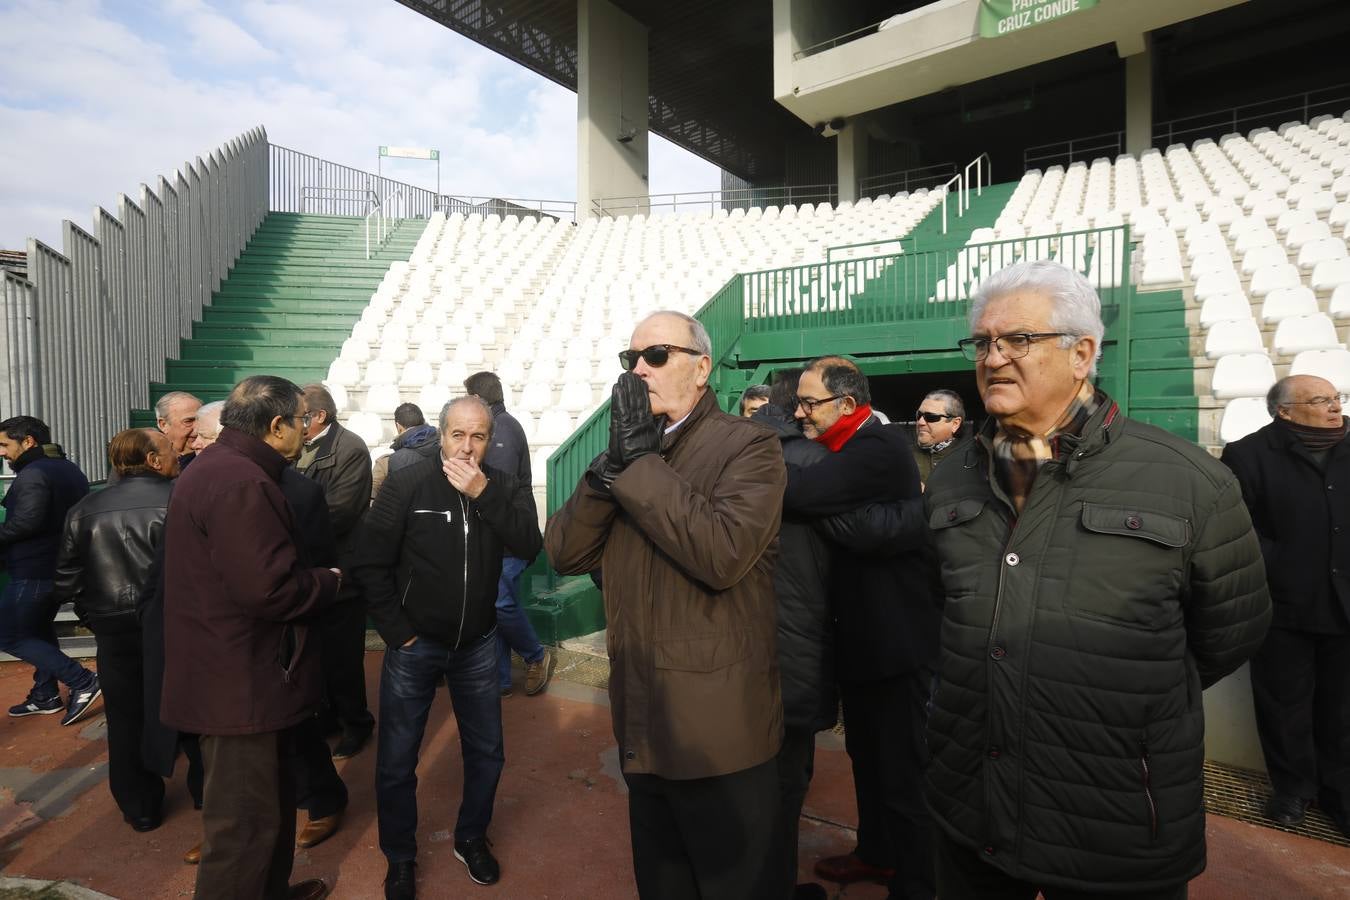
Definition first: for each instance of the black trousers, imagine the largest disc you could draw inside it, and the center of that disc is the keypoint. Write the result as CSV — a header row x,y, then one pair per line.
x,y
1301,691
963,874
884,723
121,671
701,839
248,818
342,636
795,764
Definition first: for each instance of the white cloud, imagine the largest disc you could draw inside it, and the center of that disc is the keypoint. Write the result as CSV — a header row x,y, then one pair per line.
x,y
96,101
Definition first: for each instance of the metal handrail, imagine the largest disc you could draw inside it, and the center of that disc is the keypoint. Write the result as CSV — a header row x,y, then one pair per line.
x,y
561,210
744,198
946,190
906,179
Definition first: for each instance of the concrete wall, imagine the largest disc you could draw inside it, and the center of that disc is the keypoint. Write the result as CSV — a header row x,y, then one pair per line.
x,y
611,103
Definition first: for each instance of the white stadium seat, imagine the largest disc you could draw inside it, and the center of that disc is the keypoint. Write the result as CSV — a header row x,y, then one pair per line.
x,y
1225,307
1299,333
1233,336
1272,278
1242,375
1242,416
1288,302
1333,365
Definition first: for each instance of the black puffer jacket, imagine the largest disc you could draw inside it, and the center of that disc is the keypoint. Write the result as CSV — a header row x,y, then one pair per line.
x,y
428,558
1067,731
110,541
44,489
801,583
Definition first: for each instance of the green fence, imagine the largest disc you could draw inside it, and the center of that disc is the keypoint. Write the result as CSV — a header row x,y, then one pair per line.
x,y
838,306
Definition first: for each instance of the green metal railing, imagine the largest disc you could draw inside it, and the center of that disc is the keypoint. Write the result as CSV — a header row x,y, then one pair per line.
x,y
854,296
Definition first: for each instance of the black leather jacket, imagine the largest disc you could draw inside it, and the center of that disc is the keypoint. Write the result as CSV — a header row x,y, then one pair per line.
x,y
108,546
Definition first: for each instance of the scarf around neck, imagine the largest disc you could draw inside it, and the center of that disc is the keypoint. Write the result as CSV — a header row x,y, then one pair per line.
x,y
1314,438
1018,460
838,434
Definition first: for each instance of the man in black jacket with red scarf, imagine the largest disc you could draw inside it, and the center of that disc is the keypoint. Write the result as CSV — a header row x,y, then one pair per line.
x,y
1293,473
887,621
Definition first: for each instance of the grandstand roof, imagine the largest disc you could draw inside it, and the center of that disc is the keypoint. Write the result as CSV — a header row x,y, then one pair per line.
x,y
703,55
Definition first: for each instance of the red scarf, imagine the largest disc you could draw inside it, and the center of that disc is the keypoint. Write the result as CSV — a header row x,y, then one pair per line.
x,y
838,434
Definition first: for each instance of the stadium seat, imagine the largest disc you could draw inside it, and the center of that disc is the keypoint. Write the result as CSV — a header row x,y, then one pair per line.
x,y
1259,257
382,399
1288,302
1241,417
1242,375
1333,365
1319,251
1225,307
1312,332
1233,336
1272,278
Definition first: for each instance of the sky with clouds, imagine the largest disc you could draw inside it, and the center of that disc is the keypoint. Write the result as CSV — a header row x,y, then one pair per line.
x,y
98,97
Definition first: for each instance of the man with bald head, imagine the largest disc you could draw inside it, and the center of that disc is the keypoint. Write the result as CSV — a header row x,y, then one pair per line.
x,y
1293,473
429,557
682,512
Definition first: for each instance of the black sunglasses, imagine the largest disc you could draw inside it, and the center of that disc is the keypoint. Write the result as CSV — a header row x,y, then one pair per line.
x,y
656,356
931,417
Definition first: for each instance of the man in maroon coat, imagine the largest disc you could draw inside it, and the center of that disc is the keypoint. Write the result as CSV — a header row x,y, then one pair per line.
x,y
238,668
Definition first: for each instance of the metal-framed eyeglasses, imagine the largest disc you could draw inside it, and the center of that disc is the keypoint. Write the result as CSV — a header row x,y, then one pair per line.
x,y
1010,346
1336,399
305,419
656,356
809,404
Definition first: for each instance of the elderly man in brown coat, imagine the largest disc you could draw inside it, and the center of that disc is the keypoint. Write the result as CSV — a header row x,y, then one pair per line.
x,y
682,514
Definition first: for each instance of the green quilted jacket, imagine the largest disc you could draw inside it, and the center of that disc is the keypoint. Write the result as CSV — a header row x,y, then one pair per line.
x,y
1067,731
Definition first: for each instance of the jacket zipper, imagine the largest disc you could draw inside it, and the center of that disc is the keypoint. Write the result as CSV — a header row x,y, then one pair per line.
x,y
1148,791
407,587
464,597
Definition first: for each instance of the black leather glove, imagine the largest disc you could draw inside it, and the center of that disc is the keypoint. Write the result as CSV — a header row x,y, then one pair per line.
x,y
633,430
601,472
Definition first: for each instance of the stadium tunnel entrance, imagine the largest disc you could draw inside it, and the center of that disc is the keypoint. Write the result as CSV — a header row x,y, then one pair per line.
x,y
898,396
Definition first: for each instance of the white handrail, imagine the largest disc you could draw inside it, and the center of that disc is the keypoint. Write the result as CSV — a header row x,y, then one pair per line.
x,y
984,171
374,209
946,189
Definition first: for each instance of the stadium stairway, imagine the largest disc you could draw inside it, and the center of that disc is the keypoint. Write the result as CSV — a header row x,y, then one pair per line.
x,y
290,300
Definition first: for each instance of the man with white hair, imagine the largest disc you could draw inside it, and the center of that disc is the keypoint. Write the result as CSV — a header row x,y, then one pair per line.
x,y
176,416
682,512
1291,474
1099,574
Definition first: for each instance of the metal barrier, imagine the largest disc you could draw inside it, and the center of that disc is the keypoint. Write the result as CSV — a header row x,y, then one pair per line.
x,y
711,201
983,172
90,327
906,180
303,183
880,291
559,210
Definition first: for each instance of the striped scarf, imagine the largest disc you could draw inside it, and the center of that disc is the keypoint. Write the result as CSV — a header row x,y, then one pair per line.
x,y
1018,459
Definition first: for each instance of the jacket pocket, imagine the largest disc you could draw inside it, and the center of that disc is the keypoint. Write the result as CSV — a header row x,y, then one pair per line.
x,y
1146,779
703,653
1127,566
959,512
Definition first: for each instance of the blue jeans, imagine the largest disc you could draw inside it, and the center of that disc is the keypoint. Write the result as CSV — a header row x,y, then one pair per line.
x,y
407,687
28,632
514,631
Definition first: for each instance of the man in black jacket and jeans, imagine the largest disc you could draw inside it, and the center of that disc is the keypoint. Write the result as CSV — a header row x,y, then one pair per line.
x,y
429,559
44,489
887,628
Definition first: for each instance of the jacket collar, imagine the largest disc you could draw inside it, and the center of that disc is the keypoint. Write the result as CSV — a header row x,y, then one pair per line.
x,y
267,459
1101,428
30,455
705,405
326,444
1283,439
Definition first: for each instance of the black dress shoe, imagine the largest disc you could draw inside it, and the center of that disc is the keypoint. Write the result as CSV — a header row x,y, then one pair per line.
x,y
810,891
143,823
1286,810
401,881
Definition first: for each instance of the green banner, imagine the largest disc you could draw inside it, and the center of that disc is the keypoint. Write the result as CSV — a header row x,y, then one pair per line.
x,y
1000,17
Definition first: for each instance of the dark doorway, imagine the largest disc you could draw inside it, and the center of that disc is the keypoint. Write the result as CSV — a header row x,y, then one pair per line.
x,y
898,396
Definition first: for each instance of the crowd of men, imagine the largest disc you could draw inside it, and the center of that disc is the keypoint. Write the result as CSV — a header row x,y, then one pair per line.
x,y
1017,621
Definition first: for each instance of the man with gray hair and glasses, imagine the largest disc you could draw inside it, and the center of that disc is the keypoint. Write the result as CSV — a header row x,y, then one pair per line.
x,y
1099,573
1292,473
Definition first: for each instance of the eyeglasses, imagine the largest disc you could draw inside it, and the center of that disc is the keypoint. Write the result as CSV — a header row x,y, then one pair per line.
x,y
810,405
656,356
1012,346
304,420
931,417
1338,400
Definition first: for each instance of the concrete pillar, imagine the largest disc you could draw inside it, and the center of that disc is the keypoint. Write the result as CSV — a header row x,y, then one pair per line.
x,y
851,150
611,107
1138,94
